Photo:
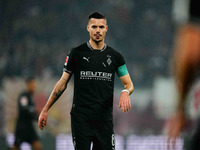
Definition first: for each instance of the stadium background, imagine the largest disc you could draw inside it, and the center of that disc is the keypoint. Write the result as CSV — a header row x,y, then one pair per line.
x,y
35,37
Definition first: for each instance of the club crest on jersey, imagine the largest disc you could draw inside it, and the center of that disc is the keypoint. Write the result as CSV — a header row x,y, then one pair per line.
x,y
66,60
24,101
109,61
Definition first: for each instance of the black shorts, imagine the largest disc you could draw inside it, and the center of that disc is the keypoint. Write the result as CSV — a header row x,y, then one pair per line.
x,y
86,131
25,132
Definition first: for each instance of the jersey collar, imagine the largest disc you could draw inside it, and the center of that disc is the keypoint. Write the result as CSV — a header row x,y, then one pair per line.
x,y
90,47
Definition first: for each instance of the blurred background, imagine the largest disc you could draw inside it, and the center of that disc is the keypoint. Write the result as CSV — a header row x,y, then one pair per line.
x,y
35,37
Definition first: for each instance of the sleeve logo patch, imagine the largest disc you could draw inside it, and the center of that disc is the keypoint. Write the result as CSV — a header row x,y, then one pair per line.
x,y
66,60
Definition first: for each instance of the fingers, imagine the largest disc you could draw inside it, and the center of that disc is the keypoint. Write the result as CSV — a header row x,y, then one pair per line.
x,y
129,104
125,106
124,102
171,143
42,122
122,106
39,125
168,143
174,143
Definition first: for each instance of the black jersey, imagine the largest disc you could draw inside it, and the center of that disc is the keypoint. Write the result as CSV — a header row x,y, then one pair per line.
x,y
25,130
26,108
94,73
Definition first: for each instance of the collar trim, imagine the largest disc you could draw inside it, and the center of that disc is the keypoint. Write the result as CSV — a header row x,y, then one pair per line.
x,y
90,47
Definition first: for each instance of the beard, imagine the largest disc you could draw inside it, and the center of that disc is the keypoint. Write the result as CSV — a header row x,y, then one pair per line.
x,y
97,40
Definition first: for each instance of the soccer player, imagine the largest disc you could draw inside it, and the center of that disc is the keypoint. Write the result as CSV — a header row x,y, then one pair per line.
x,y
93,64
187,73
25,130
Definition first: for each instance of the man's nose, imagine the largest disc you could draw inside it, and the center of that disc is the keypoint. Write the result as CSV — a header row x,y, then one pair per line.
x,y
98,29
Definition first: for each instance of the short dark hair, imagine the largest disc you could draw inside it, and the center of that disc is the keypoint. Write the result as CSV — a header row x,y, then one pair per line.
x,y
29,79
97,15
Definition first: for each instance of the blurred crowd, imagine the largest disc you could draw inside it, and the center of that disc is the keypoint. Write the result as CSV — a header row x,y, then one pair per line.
x,y
35,36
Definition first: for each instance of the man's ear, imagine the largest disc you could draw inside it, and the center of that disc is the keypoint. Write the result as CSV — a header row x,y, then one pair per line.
x,y
88,28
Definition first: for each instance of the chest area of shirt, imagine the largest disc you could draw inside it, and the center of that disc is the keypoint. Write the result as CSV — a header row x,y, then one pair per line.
x,y
26,100
97,61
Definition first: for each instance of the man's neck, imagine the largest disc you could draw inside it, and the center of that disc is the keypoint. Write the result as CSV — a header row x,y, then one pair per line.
x,y
30,92
97,46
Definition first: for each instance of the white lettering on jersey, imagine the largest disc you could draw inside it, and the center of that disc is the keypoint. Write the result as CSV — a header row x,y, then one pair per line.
x,y
97,75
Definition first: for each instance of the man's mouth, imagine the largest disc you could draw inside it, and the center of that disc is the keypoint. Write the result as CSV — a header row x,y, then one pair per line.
x,y
97,35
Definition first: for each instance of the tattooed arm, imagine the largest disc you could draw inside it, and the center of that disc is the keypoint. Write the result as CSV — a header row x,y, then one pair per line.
x,y
59,88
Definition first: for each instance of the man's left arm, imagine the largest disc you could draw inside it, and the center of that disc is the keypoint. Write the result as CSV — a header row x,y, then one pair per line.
x,y
124,100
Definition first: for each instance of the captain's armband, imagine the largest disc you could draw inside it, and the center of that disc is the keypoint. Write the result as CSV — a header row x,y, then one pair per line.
x,y
122,70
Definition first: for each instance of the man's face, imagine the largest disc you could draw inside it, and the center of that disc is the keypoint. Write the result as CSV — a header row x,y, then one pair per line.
x,y
31,86
97,29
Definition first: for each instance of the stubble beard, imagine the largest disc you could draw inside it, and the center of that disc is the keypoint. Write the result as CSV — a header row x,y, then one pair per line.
x,y
97,41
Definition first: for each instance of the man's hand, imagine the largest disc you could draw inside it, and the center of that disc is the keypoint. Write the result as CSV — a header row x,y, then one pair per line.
x,y
124,101
42,121
176,126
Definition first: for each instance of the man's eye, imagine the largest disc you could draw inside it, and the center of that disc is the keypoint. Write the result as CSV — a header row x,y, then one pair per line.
x,y
101,27
94,27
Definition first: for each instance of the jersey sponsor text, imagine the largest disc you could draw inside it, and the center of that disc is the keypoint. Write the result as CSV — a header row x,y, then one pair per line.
x,y
97,75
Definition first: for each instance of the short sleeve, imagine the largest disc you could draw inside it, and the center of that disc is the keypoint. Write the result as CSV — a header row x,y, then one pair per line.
x,y
121,67
70,63
120,61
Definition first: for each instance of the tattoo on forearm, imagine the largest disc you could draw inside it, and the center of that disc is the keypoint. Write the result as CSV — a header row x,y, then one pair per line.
x,y
57,94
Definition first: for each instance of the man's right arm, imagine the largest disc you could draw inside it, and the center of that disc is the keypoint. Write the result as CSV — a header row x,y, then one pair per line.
x,y
59,88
